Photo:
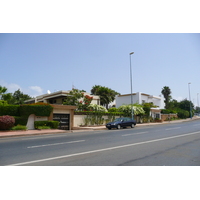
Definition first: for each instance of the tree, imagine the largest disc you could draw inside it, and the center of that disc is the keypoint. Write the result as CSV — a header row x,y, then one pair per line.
x,y
173,104
19,98
73,97
106,94
185,105
2,91
166,93
77,98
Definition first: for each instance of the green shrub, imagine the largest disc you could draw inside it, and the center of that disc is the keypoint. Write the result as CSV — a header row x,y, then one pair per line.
x,y
113,109
3,103
12,110
183,114
19,127
167,111
44,127
51,124
37,109
6,122
21,120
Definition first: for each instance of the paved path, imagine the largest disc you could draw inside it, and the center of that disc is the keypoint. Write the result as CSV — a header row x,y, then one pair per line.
x,y
77,129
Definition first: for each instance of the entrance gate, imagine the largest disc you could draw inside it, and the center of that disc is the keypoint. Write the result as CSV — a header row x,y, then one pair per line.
x,y
64,120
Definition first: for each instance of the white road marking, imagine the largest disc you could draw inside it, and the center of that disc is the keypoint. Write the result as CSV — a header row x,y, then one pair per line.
x,y
134,133
106,149
55,144
172,128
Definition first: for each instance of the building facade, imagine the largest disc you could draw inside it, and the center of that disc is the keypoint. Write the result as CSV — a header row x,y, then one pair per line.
x,y
140,98
59,97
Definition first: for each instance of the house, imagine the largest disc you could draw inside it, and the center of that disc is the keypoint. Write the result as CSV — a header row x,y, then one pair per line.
x,y
62,113
59,97
141,98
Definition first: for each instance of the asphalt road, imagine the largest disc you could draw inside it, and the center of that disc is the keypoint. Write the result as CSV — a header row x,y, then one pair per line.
x,y
175,144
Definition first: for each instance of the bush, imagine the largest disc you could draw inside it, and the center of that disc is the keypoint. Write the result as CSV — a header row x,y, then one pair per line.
x,y
37,109
12,110
127,109
167,111
51,124
6,122
113,109
183,114
98,108
21,120
19,127
44,127
3,103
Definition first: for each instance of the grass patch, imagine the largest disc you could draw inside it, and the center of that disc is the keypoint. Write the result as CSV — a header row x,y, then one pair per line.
x,y
19,127
44,127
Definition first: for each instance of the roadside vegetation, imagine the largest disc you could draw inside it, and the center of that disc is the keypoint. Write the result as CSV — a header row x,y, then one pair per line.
x,y
12,107
183,109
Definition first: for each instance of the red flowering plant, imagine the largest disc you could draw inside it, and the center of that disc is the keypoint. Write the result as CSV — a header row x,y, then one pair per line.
x,y
84,104
6,122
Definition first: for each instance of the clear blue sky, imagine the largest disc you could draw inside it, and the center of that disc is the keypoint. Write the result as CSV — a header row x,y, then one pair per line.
x,y
35,63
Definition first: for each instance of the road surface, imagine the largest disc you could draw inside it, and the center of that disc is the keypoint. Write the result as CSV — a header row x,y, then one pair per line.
x,y
173,144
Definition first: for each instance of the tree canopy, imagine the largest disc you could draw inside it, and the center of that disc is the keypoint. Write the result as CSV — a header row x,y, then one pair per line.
x,y
16,98
77,98
106,94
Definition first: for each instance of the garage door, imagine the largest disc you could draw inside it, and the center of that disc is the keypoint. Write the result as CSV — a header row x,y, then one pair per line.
x,y
64,120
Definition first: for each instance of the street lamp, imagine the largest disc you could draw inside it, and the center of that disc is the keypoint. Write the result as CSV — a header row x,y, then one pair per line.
x,y
198,102
131,86
190,100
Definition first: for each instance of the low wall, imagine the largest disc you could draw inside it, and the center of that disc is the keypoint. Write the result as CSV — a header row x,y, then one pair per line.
x,y
165,117
79,119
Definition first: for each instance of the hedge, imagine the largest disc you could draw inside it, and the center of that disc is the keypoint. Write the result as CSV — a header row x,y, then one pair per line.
x,y
38,110
26,110
12,110
52,124
21,120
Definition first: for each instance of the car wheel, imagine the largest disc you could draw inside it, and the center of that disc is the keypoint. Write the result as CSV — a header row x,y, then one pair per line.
x,y
109,128
118,126
132,125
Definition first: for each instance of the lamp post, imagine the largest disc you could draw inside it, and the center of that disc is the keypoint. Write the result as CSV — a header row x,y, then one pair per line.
x,y
131,86
190,100
198,102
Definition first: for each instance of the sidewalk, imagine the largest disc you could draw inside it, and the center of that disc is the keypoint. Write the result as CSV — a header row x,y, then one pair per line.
x,y
78,129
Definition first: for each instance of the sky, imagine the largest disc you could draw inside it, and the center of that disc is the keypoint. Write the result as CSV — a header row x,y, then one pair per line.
x,y
38,62
52,45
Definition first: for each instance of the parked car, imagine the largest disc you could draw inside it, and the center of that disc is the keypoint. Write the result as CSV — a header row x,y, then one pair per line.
x,y
121,122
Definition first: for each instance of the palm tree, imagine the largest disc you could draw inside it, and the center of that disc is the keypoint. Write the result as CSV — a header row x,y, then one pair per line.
x,y
166,93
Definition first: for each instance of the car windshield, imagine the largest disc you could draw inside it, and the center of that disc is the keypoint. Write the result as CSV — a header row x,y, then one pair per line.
x,y
118,119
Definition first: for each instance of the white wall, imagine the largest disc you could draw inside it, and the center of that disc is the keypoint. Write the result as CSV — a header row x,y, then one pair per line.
x,y
140,98
126,99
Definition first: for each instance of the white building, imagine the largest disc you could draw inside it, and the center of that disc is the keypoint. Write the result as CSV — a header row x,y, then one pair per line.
x,y
140,98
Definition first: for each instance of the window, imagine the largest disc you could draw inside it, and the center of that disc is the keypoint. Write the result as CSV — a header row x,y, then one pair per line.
x,y
52,101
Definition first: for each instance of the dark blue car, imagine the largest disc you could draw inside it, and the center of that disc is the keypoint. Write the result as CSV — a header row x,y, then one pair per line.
x,y
121,122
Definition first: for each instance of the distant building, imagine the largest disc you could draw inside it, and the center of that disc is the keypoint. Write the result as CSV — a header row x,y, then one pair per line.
x,y
140,98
